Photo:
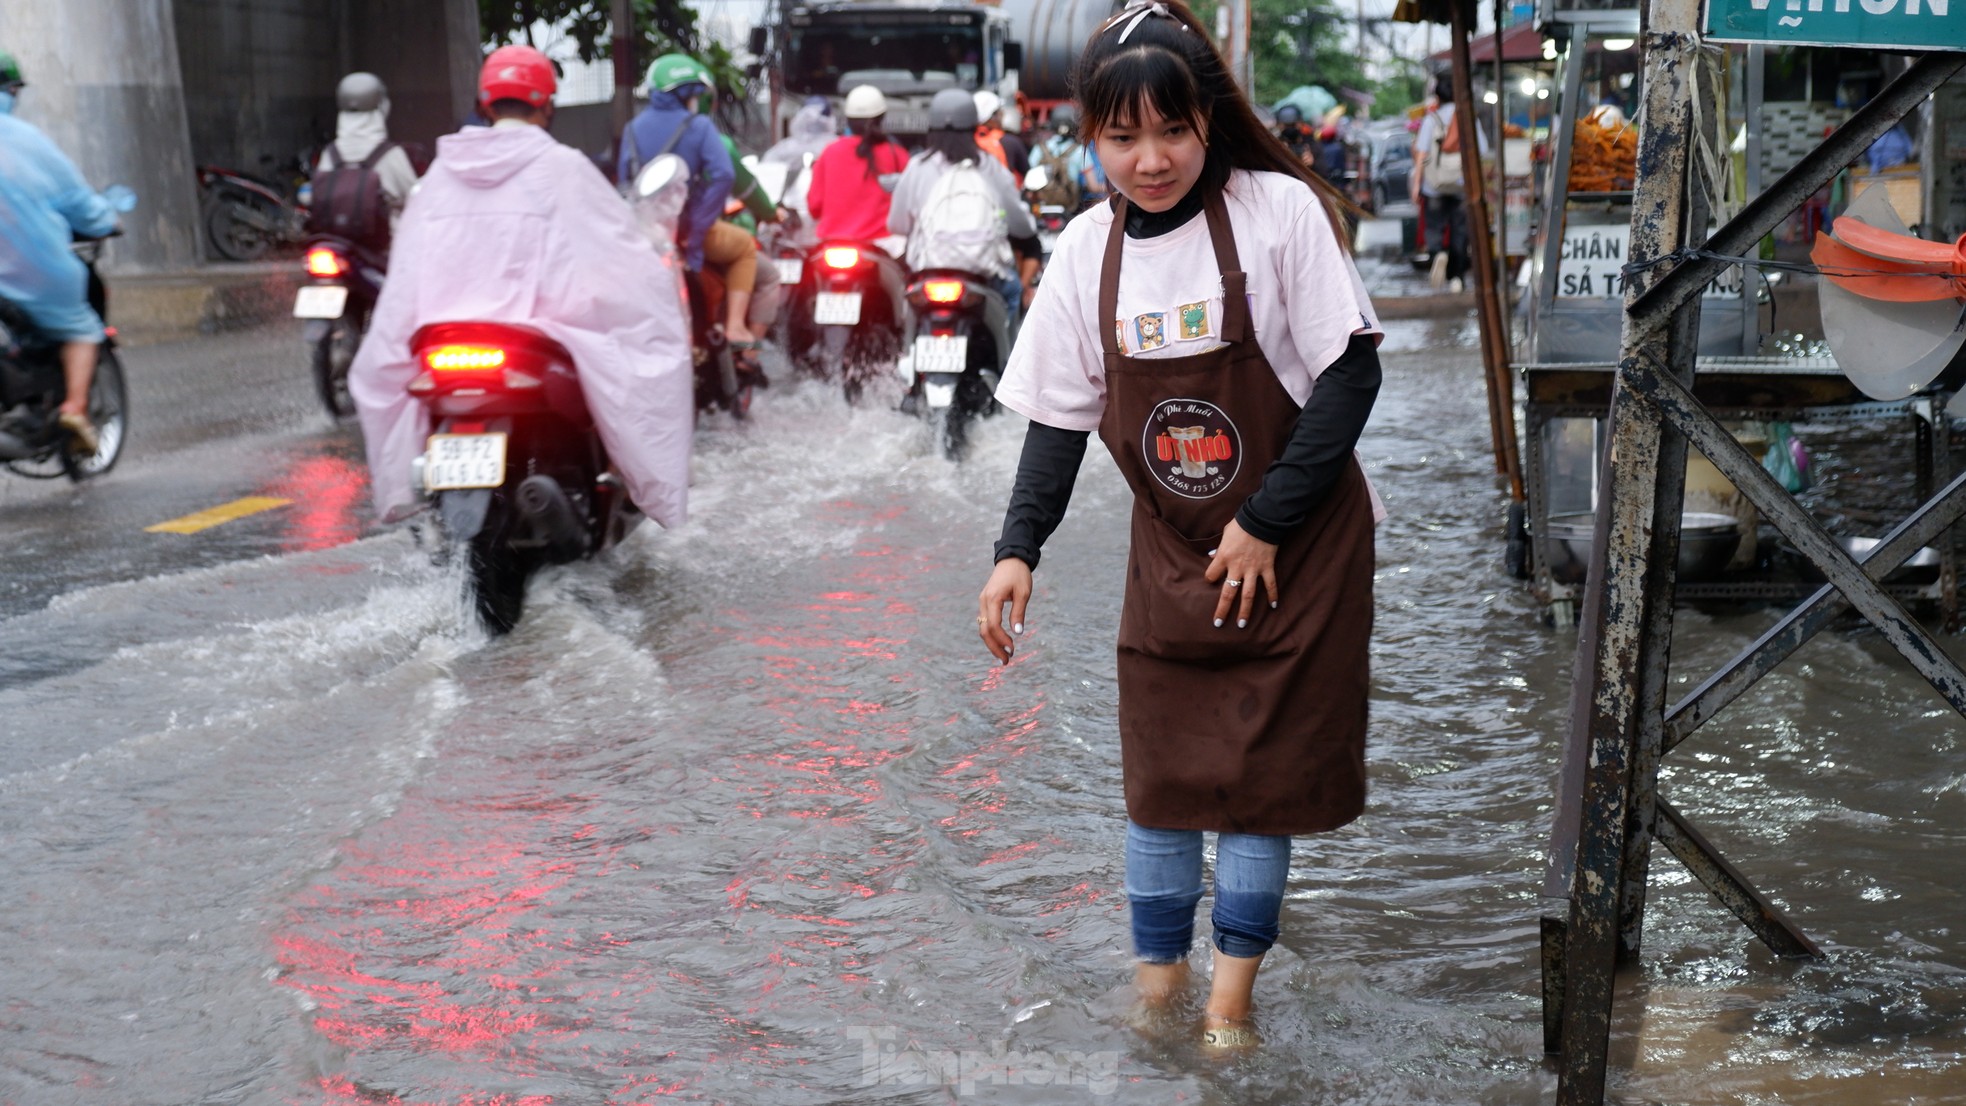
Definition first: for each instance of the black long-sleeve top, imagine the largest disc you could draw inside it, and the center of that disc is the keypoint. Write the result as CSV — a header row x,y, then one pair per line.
x,y
1294,485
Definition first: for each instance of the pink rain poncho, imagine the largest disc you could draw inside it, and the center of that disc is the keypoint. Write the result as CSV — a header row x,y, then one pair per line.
x,y
511,226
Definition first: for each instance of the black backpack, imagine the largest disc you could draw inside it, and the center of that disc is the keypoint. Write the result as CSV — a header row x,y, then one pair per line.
x,y
348,200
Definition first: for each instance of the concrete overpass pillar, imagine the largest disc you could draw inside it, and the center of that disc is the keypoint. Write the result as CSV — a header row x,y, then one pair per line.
x,y
103,82
427,53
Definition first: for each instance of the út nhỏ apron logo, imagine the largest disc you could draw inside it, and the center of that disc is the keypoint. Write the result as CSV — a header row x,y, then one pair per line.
x,y
1192,447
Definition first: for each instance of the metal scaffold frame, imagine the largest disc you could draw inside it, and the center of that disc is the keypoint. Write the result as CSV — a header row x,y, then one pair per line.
x,y
1621,724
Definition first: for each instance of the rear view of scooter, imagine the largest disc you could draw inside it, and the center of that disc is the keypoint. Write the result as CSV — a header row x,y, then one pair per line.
x,y
957,353
856,290
343,283
514,462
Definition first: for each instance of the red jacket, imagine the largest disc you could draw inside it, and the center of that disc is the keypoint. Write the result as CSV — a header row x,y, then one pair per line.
x,y
844,197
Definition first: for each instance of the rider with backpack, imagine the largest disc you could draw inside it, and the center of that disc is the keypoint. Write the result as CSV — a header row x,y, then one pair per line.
x,y
363,179
960,208
1437,184
1064,160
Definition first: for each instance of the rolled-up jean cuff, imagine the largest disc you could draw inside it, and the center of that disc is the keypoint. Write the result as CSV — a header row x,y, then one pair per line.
x,y
1163,927
1237,933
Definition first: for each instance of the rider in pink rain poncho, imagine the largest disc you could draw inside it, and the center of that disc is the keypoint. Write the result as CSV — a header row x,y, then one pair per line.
x,y
511,226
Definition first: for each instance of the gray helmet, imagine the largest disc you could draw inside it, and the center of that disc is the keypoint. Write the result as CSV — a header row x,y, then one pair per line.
x,y
1064,115
952,109
360,92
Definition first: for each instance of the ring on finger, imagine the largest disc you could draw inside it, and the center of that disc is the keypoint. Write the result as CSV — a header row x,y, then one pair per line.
x,y
1235,583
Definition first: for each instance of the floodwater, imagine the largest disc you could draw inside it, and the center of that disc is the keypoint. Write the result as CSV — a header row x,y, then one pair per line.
x,y
743,814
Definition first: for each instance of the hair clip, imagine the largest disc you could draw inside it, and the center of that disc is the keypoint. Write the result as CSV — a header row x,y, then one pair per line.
x,y
1133,15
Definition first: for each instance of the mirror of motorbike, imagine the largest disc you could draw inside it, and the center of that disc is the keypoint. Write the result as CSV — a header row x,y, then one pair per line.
x,y
1036,178
659,174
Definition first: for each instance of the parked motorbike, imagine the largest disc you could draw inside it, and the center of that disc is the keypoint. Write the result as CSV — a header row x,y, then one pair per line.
x,y
857,293
246,216
957,352
658,193
514,462
32,442
344,282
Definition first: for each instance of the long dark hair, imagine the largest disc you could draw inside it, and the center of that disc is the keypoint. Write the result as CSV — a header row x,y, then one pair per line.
x,y
873,135
955,146
1167,64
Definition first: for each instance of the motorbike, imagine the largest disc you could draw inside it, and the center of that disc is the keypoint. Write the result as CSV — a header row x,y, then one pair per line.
x,y
32,442
514,463
344,281
657,195
1051,218
245,216
859,310
959,345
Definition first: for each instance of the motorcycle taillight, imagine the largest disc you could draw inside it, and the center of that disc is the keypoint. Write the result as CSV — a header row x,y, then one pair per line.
x,y
325,263
840,257
460,367
943,291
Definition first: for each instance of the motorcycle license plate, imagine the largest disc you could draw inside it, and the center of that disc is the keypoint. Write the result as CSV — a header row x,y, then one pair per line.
x,y
456,461
836,309
321,301
791,269
941,353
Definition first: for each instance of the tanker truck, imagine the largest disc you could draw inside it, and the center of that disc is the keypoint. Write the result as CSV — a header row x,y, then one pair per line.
x,y
1051,34
909,49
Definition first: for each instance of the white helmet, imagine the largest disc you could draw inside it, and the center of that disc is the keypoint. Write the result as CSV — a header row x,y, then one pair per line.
x,y
865,102
987,104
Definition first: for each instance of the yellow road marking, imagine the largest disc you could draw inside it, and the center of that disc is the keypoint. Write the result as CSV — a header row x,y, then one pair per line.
x,y
213,516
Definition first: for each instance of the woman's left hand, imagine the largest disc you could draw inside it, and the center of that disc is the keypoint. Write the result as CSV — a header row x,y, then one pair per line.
x,y
1239,564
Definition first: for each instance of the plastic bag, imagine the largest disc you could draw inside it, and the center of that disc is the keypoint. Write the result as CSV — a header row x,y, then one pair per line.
x,y
1787,460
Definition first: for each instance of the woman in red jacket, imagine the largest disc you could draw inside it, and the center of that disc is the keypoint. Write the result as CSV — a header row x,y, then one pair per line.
x,y
852,180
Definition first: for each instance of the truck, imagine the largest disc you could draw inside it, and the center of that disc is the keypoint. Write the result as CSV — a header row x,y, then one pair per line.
x,y
909,49
1050,35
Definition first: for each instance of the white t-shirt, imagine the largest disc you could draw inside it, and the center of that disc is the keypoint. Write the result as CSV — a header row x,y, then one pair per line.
x,y
1306,301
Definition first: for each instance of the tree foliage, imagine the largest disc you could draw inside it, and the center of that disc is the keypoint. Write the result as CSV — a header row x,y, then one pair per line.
x,y
661,27
1301,42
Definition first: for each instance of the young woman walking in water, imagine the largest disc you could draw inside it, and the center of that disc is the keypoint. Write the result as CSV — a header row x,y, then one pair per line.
x,y
1211,326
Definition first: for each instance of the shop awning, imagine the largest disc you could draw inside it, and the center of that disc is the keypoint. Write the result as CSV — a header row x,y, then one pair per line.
x,y
1519,43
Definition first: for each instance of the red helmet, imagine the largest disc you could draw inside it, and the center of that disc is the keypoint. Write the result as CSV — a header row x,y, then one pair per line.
x,y
516,73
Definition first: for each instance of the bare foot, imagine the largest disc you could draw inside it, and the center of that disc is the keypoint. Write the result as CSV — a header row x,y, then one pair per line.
x,y
738,334
1160,984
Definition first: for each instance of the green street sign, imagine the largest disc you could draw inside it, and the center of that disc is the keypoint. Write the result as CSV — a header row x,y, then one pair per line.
x,y
1882,24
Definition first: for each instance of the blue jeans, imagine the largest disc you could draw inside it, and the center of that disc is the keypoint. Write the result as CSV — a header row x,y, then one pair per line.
x,y
1163,884
1011,288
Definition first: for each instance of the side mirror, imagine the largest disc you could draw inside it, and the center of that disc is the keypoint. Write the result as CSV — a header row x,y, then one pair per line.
x,y
1013,56
1035,178
760,40
660,174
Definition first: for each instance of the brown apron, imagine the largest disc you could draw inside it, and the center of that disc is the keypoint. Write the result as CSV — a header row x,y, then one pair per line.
x,y
1251,731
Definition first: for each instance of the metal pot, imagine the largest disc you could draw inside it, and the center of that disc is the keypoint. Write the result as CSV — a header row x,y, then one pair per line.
x,y
1706,543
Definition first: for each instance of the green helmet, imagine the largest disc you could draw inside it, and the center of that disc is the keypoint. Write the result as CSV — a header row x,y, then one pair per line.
x,y
672,71
9,71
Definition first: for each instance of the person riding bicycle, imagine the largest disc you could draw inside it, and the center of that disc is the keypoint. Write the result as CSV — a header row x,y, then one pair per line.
x,y
511,226
44,205
677,121
362,128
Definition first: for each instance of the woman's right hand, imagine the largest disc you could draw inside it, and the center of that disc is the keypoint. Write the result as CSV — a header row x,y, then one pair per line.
x,y
1010,582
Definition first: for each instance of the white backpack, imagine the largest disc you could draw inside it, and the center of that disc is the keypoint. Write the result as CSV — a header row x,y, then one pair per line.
x,y
961,226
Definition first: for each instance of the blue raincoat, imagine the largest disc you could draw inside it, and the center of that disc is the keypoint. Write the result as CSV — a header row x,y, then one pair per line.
x,y
44,202
701,147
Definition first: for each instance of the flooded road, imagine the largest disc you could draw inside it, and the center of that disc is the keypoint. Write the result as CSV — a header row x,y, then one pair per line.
x,y
743,814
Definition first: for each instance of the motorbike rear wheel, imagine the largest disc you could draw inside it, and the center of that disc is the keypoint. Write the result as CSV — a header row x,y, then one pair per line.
x,y
498,571
330,358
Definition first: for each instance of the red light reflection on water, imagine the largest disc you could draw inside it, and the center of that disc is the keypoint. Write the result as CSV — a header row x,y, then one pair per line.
x,y
330,502
439,936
